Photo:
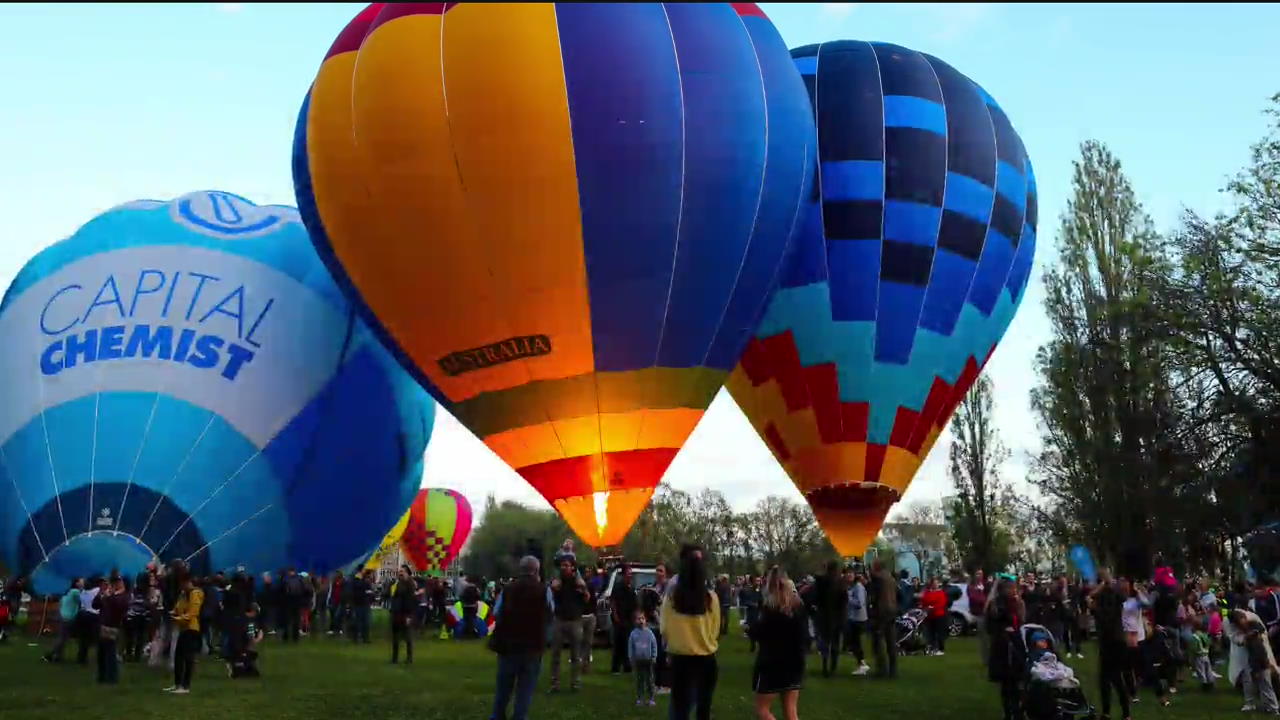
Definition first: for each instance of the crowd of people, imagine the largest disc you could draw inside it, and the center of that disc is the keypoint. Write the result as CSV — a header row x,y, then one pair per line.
x,y
1158,633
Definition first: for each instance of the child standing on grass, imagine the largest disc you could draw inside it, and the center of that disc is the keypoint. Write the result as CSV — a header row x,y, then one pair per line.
x,y
642,650
1200,664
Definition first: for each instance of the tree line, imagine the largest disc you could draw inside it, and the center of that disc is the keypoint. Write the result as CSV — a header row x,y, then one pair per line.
x,y
776,530
1158,394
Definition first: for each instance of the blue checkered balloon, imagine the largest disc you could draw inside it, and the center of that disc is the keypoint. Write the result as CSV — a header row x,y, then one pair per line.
x,y
917,249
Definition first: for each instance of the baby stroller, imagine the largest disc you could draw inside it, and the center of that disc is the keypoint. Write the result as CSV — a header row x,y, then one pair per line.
x,y
1052,691
911,637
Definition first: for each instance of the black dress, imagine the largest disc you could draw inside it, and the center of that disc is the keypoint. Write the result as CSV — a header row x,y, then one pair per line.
x,y
783,641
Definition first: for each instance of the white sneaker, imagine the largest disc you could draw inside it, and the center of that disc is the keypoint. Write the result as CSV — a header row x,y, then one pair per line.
x,y
1248,707
863,669
182,691
170,689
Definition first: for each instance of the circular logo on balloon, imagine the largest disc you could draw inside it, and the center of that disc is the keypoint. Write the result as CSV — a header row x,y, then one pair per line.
x,y
224,215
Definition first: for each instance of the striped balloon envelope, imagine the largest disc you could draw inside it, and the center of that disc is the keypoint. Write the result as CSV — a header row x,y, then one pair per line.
x,y
565,217
915,254
437,526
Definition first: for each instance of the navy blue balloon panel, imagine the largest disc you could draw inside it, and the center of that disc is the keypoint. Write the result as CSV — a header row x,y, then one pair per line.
x,y
916,250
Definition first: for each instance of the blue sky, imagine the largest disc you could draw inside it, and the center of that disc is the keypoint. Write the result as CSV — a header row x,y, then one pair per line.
x,y
104,104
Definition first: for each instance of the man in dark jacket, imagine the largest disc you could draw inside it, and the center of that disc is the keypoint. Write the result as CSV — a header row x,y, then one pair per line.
x,y
404,603
519,638
112,604
268,598
882,616
293,596
362,593
724,593
906,592
569,597
622,604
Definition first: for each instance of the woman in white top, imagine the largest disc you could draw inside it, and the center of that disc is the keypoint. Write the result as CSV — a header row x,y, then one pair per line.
x,y
857,622
1135,630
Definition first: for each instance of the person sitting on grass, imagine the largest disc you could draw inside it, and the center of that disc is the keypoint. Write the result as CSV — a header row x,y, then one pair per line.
x,y
243,661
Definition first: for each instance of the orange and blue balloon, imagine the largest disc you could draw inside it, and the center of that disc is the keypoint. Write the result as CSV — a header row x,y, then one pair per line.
x,y
565,218
915,254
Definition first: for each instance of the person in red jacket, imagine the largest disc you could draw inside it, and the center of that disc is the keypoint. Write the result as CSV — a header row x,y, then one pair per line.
x,y
934,602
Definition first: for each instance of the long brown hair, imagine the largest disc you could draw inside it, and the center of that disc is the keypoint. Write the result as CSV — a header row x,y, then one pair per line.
x,y
780,593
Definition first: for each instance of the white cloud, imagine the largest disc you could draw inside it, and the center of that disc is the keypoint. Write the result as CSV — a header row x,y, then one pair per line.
x,y
229,7
838,11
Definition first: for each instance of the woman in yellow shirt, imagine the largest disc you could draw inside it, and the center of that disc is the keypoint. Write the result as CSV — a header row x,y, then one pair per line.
x,y
691,631
186,616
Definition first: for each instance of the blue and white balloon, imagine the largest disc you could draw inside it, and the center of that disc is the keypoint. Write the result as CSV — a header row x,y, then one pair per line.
x,y
185,380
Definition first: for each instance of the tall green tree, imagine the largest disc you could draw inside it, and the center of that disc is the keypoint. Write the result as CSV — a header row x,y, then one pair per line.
x,y
1109,415
973,465
1218,305
503,534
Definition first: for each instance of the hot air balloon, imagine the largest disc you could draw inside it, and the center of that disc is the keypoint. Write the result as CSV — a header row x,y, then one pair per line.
x,y
914,256
438,524
564,217
390,542
184,380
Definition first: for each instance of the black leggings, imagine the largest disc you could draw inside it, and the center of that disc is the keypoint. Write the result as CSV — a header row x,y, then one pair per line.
x,y
1113,665
184,662
693,683
1011,698
830,650
853,639
938,627
135,636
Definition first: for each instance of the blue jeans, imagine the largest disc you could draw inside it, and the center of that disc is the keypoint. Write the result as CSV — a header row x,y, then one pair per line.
x,y
517,672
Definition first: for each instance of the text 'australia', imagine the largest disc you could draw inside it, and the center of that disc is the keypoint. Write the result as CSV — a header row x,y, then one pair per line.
x,y
503,351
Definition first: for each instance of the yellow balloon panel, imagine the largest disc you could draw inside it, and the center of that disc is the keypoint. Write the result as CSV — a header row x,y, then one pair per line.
x,y
550,232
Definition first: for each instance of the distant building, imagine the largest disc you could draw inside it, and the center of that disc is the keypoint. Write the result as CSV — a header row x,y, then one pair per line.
x,y
950,504
920,548
390,565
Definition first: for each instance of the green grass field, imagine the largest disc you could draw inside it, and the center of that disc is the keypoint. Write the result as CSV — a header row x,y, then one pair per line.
x,y
332,678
